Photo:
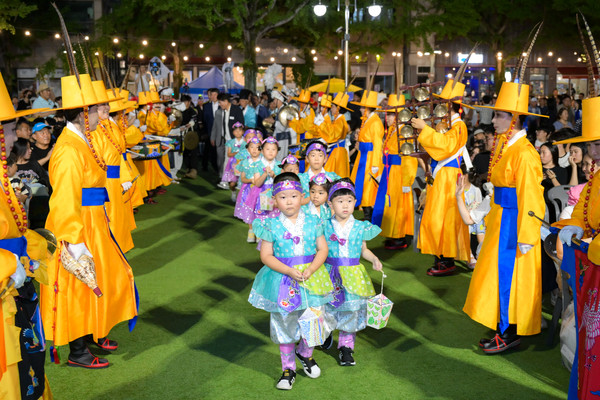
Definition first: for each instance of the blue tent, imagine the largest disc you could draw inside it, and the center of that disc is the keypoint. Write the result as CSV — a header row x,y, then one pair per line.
x,y
212,79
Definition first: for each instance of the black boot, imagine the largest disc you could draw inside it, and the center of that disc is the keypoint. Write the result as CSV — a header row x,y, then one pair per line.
x,y
104,343
368,212
443,266
501,341
81,356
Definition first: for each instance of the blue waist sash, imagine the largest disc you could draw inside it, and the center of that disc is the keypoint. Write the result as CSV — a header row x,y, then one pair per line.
x,y
16,245
364,149
341,143
93,196
452,164
506,197
389,160
342,261
113,171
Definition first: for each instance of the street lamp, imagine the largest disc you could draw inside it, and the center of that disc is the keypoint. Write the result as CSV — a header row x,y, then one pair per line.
x,y
374,10
320,9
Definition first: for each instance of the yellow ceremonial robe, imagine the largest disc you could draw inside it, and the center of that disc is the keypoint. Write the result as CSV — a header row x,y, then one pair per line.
x,y
305,124
67,304
10,347
442,230
333,133
371,132
157,124
107,144
398,213
133,136
593,214
519,168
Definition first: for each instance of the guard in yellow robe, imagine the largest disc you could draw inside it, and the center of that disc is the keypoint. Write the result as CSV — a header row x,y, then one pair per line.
x,y
107,139
134,197
368,163
394,209
505,292
304,124
334,131
133,136
442,231
156,172
21,369
589,201
73,313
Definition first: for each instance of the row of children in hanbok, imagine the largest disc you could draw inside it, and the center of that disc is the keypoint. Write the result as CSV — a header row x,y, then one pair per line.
x,y
312,259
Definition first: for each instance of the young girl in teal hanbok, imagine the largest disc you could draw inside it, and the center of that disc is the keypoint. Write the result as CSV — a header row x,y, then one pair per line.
x,y
293,250
319,190
347,242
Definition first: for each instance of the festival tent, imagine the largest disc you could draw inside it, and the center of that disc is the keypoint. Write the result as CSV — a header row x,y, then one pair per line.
x,y
211,79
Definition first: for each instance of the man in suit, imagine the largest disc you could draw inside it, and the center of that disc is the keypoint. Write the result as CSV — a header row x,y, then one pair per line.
x,y
209,110
222,129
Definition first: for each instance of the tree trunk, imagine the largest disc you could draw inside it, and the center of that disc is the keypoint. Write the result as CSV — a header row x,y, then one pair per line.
x,y
249,64
178,71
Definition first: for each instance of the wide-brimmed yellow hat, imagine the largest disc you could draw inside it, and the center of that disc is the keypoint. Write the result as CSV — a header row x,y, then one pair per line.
x,y
7,110
369,99
341,100
513,101
100,91
326,101
395,101
78,94
452,91
118,102
590,122
303,97
144,98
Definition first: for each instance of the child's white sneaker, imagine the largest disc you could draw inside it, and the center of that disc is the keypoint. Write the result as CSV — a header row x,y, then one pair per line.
x,y
311,369
287,380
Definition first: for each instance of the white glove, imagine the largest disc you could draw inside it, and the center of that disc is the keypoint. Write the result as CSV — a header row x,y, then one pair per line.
x,y
192,123
489,187
143,128
319,120
34,265
136,123
126,186
302,114
525,247
161,108
374,170
19,276
406,189
78,249
171,118
566,234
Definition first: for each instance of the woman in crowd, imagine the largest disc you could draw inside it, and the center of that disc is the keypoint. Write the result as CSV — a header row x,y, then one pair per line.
x,y
563,120
554,175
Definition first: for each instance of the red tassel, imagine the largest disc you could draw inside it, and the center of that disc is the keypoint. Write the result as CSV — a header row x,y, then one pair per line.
x,y
55,354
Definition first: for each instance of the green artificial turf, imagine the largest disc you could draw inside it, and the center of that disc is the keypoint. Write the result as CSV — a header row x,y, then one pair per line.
x,y
197,337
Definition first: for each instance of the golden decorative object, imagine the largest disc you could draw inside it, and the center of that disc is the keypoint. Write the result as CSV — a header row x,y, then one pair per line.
x,y
407,149
406,131
404,115
421,94
442,127
50,239
440,110
423,112
287,114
